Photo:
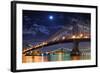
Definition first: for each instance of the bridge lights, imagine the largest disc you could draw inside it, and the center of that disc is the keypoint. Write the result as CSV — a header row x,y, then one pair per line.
x,y
63,37
78,37
44,43
85,36
81,35
73,36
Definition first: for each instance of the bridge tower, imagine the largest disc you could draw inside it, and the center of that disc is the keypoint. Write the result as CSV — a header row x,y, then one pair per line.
x,y
75,53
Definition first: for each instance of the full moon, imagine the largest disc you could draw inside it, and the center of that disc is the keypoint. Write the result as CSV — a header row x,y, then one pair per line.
x,y
51,17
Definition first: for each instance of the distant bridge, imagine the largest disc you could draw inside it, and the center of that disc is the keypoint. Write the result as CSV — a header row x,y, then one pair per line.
x,y
44,44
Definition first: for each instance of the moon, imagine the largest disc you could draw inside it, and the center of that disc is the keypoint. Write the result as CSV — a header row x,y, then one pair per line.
x,y
50,17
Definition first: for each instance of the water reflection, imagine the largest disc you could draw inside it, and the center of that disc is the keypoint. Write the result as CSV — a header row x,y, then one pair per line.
x,y
57,56
59,53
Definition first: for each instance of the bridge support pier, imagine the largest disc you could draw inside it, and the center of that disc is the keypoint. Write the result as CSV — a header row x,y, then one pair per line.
x,y
75,53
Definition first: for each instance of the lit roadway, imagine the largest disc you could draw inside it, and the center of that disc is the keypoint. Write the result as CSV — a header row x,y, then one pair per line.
x,y
44,44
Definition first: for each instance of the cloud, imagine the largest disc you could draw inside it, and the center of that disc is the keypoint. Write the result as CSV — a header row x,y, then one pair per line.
x,y
44,30
36,29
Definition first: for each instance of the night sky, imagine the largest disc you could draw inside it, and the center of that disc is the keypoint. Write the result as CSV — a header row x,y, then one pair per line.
x,y
39,26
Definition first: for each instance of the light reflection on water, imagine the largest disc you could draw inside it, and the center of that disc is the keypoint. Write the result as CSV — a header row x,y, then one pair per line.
x,y
84,49
30,59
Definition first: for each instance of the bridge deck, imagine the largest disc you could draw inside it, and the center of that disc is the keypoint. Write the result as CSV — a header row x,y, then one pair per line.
x,y
58,42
